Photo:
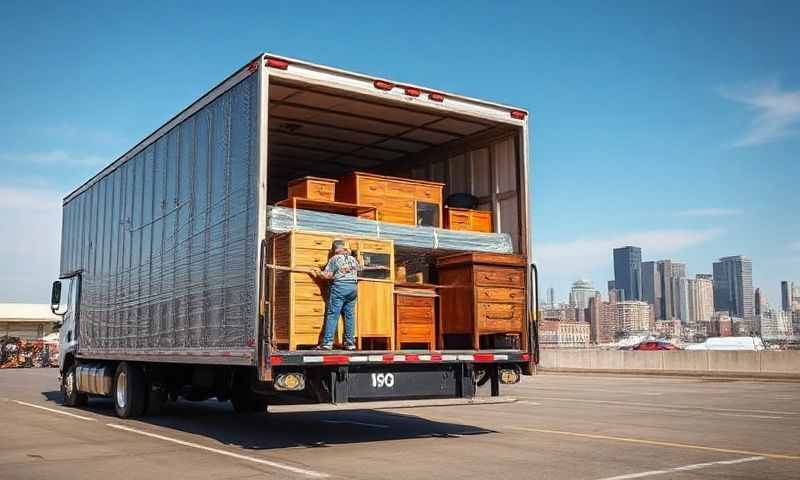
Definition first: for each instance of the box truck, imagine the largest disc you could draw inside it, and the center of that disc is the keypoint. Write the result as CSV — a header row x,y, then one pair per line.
x,y
168,274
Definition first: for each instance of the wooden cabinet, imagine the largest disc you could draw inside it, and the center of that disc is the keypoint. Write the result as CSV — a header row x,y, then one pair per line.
x,y
375,305
484,295
298,300
415,316
398,200
466,219
313,188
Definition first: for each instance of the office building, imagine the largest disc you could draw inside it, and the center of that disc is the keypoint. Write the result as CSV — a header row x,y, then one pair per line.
x,y
602,318
551,296
699,299
786,296
759,302
733,286
580,293
628,271
651,285
633,316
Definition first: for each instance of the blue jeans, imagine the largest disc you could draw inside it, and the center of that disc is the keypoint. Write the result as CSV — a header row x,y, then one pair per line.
x,y
341,301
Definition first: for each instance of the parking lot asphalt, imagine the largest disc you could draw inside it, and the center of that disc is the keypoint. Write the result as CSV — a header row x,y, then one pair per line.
x,y
562,426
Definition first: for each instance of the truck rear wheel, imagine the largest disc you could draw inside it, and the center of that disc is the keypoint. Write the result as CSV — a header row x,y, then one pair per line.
x,y
129,391
69,387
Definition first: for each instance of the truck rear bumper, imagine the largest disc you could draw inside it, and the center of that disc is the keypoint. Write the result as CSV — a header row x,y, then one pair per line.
x,y
387,405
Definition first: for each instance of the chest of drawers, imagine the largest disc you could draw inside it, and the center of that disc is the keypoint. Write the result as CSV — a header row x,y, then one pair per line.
x,y
313,188
466,219
398,200
415,316
484,294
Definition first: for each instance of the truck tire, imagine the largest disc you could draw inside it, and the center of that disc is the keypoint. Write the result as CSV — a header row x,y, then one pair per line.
x,y
129,391
69,387
243,399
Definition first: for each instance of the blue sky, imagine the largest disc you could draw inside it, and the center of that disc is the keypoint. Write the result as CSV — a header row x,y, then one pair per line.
x,y
670,125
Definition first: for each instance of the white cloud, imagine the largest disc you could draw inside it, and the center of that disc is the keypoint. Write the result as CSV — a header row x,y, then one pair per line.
x,y
710,212
777,111
581,257
29,246
55,158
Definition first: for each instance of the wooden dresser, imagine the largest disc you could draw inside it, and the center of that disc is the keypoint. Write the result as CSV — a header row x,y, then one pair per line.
x,y
466,219
313,188
398,200
298,300
415,315
484,295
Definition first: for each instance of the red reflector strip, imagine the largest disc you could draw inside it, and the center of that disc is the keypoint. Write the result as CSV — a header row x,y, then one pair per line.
x,y
483,357
412,358
275,360
436,358
413,92
381,85
519,115
436,97
388,358
336,359
275,63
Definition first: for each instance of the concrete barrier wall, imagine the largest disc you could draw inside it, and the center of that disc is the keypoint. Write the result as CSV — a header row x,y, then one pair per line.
x,y
766,364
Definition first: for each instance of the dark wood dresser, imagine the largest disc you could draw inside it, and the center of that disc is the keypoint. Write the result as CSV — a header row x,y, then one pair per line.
x,y
483,295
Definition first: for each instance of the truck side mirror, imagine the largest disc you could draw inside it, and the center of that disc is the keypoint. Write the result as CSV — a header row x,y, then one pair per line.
x,y
55,297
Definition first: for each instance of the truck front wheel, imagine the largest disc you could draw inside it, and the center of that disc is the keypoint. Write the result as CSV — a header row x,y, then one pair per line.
x,y
129,391
69,387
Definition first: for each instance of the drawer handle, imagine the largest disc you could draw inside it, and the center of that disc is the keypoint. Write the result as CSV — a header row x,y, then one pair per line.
x,y
317,242
372,187
500,317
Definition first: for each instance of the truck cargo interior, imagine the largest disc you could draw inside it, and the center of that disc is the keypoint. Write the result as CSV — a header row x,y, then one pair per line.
x,y
321,132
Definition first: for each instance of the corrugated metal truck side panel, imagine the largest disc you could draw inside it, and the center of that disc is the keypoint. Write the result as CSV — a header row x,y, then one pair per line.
x,y
166,240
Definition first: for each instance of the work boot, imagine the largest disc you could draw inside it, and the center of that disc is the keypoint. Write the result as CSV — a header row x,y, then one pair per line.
x,y
349,346
323,346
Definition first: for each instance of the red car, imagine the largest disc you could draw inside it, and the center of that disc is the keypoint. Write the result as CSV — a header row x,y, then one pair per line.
x,y
654,345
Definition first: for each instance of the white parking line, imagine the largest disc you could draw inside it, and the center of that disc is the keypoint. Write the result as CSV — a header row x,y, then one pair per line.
x,y
60,412
775,417
375,425
269,463
665,407
696,466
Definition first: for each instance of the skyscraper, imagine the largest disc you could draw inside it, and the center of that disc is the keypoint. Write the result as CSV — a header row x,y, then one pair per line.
x,y
551,296
628,271
733,286
651,285
699,299
580,294
786,296
760,302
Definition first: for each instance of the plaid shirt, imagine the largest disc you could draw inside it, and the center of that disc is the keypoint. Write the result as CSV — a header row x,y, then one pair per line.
x,y
335,266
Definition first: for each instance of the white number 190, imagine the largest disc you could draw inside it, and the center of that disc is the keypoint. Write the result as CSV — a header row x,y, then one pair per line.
x,y
381,380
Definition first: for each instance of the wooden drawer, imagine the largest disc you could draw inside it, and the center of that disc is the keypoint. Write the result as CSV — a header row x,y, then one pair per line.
x,y
317,242
302,278
415,301
309,308
499,294
308,291
400,189
320,191
412,333
423,314
398,204
430,194
314,188
306,257
500,317
372,200
504,277
403,218
308,324
372,186
373,246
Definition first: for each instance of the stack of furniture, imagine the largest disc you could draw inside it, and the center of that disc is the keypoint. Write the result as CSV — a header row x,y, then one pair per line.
x,y
319,194
398,200
299,299
467,219
483,296
415,315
